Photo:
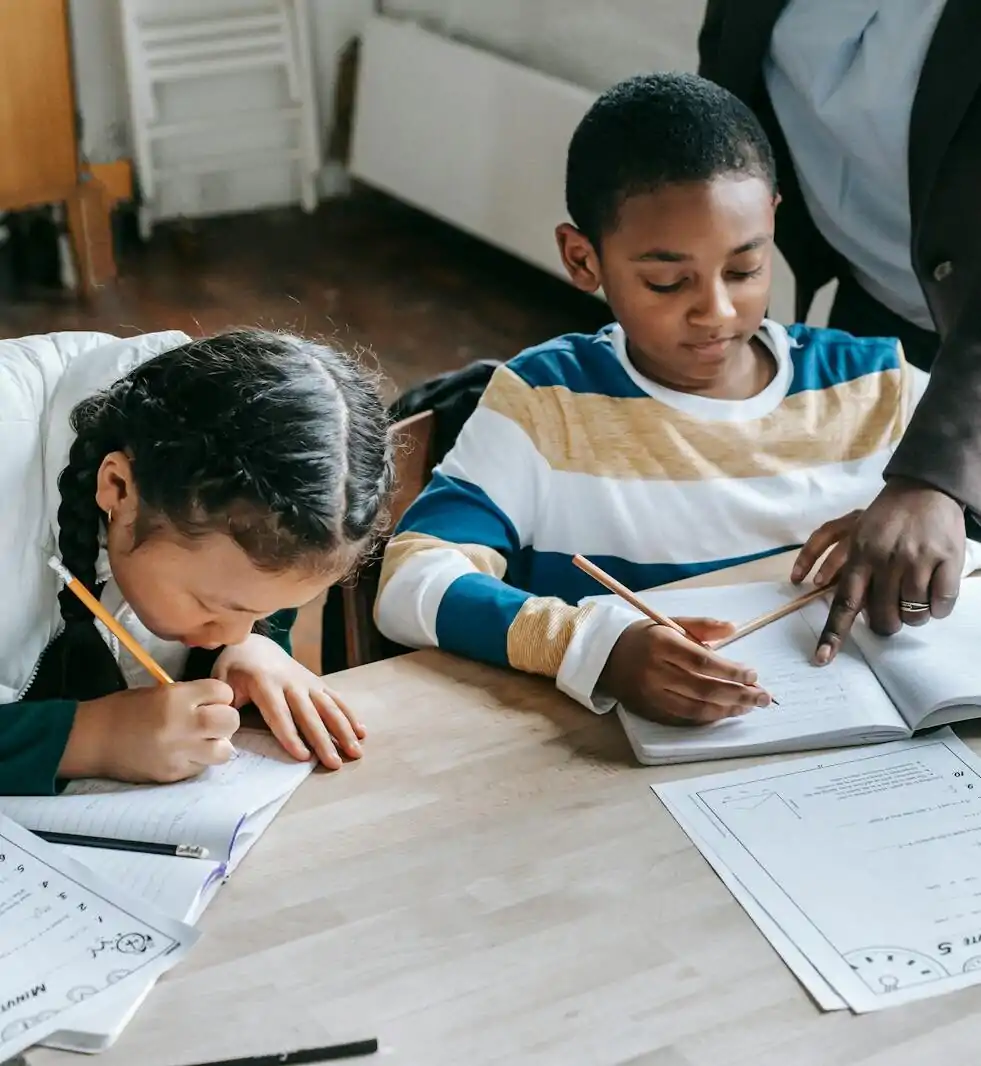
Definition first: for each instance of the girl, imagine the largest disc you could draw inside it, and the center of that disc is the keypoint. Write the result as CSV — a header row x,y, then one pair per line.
x,y
198,487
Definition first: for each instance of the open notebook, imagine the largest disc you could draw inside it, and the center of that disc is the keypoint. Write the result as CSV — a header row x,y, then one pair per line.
x,y
877,689
226,810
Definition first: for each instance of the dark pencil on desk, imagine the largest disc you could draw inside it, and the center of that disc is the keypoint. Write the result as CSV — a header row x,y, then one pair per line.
x,y
307,1055
181,851
636,602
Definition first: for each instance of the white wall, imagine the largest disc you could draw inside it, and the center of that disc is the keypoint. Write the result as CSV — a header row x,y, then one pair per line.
x,y
592,43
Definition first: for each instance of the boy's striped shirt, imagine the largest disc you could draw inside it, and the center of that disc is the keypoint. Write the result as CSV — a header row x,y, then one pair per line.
x,y
573,451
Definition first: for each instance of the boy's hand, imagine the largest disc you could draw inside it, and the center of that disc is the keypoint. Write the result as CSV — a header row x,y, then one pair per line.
x,y
661,675
835,535
292,700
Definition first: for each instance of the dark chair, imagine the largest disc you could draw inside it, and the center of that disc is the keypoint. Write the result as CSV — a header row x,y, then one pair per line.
x,y
353,609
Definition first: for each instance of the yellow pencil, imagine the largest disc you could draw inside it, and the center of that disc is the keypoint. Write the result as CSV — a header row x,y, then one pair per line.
x,y
129,642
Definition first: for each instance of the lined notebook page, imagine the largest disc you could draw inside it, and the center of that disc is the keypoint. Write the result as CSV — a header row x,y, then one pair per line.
x,y
923,667
817,705
171,884
206,810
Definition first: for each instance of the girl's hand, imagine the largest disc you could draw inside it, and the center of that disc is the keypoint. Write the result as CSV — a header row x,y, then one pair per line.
x,y
295,703
161,734
659,674
835,535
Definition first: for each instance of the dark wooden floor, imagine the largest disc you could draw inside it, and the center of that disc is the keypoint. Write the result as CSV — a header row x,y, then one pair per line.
x,y
418,296
365,270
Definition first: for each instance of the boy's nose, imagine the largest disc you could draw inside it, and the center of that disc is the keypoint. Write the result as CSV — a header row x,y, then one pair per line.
x,y
716,304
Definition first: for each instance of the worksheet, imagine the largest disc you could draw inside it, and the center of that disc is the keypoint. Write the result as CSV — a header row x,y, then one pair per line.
x,y
68,937
867,861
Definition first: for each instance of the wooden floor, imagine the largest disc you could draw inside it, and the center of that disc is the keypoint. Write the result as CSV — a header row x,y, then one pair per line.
x,y
417,296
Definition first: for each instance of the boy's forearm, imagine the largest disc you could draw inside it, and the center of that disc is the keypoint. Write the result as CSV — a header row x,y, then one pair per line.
x,y
454,597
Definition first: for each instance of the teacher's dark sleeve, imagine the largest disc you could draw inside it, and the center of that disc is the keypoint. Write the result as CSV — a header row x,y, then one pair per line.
x,y
33,738
710,38
942,444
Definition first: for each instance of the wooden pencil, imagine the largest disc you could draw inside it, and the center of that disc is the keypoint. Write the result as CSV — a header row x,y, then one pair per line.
x,y
624,593
773,616
121,634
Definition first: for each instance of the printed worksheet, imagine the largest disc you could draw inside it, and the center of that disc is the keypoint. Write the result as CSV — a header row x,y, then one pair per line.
x,y
67,937
868,862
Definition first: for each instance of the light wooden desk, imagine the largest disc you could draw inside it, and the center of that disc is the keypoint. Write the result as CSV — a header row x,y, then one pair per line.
x,y
496,883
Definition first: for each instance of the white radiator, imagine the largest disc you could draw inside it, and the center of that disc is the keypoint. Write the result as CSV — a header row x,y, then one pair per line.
x,y
472,138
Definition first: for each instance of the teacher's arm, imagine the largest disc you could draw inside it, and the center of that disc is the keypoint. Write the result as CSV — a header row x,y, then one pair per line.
x,y
909,545
710,38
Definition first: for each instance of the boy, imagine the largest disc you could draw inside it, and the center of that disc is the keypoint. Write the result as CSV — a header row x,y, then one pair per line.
x,y
691,435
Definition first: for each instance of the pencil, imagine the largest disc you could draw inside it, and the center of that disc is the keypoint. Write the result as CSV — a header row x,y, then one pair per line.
x,y
124,638
635,601
307,1055
145,847
773,616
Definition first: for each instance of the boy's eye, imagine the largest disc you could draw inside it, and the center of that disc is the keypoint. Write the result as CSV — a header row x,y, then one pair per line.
x,y
674,287
742,275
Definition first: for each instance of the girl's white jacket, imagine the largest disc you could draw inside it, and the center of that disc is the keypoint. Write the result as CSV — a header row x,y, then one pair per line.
x,y
41,380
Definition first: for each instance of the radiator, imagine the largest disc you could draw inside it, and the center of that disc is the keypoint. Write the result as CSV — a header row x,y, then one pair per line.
x,y
472,138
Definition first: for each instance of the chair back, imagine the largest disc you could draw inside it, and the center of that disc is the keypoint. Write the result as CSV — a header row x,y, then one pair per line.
x,y
413,469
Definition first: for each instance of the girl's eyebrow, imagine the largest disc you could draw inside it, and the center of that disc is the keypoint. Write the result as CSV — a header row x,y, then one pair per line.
x,y
228,605
231,605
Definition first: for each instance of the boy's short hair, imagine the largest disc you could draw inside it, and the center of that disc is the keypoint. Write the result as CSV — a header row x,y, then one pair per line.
x,y
656,130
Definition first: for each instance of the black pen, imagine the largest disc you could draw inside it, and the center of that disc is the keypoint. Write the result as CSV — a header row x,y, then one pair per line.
x,y
306,1055
181,851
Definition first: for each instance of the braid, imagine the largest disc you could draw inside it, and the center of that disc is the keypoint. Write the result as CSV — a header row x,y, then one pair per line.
x,y
369,462
79,519
79,664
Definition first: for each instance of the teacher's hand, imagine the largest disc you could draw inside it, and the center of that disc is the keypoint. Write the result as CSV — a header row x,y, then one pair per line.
x,y
904,563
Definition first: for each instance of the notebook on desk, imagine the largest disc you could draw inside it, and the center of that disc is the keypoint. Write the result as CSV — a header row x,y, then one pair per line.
x,y
877,689
226,810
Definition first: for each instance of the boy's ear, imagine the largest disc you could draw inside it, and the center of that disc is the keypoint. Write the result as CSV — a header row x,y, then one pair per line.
x,y
579,258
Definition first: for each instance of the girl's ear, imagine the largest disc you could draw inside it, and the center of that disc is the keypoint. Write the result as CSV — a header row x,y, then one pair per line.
x,y
579,258
115,488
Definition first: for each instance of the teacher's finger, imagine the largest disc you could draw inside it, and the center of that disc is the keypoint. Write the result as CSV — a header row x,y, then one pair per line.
x,y
853,584
882,596
944,587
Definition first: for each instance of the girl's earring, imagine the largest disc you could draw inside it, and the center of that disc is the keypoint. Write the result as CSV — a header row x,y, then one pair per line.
x,y
109,516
